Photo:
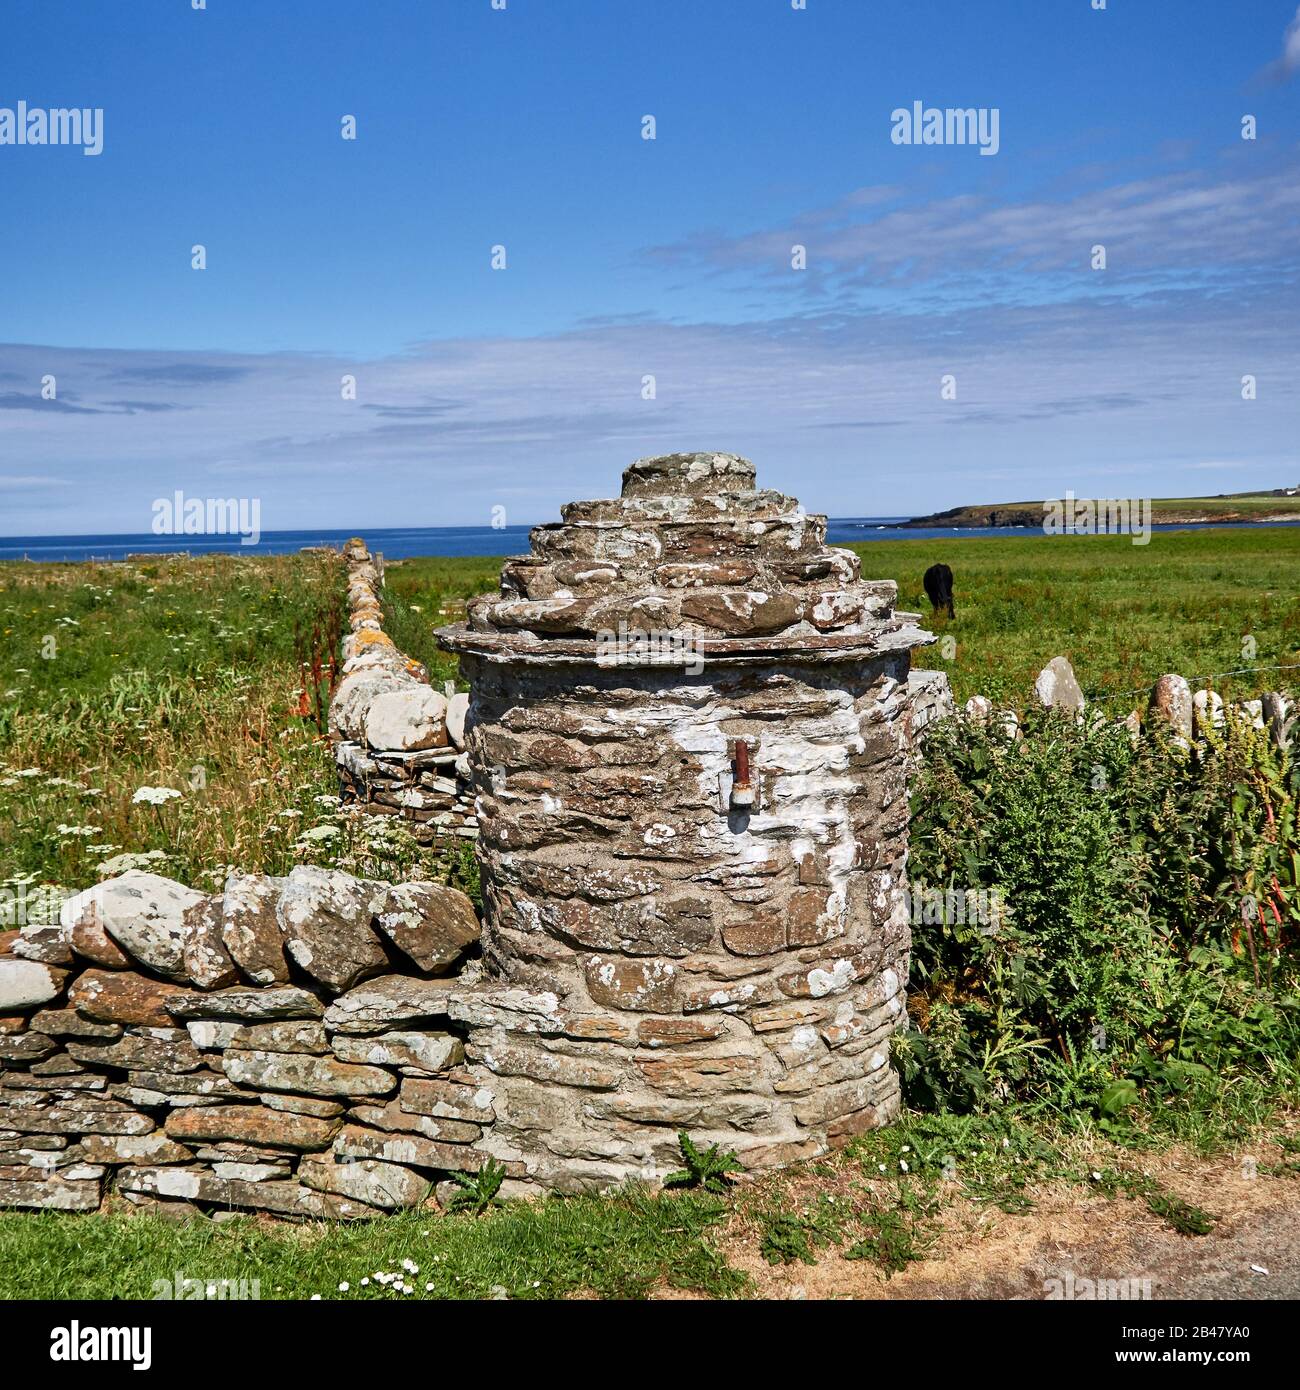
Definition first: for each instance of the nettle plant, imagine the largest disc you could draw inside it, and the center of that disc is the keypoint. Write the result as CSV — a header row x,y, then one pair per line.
x,y
1150,913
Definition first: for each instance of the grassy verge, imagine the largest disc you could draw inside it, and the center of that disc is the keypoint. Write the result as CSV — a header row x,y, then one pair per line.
x,y
616,1247
888,1202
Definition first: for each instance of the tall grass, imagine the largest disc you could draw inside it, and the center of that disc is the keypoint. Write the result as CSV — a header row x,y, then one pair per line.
x,y
167,672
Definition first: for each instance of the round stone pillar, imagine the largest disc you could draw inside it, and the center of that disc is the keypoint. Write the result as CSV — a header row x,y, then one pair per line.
x,y
687,740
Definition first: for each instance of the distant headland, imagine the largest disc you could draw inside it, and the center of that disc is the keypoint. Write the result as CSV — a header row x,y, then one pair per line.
x,y
1281,504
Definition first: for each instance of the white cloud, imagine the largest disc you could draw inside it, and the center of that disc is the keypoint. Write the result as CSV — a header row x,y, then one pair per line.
x,y
1289,62
12,482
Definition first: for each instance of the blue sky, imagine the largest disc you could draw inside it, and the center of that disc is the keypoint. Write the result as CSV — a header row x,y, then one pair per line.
x,y
523,387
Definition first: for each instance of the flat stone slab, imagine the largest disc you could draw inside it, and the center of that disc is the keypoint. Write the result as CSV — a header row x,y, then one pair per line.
x,y
282,1198
26,983
313,1076
392,1002
247,1005
368,1180
251,1124
431,1052
51,1195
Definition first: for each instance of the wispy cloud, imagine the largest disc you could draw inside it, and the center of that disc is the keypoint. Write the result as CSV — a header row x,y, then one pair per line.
x,y
1287,64
1176,224
411,412
832,384
10,482
31,400
185,372
144,407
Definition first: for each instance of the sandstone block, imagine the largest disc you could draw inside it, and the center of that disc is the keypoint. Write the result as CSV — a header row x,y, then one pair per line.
x,y
144,914
378,1184
649,986
47,1195
395,1001
246,1005
406,719
250,1124
283,1035
431,1052
447,1100
299,1073
89,939
392,1117
1057,688
304,1105
430,923
207,961
282,1198
1171,705
133,1148
123,997
409,1149
457,709
325,917
250,928
39,941
173,1053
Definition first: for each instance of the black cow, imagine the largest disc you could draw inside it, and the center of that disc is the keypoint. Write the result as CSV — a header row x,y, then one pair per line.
x,y
938,588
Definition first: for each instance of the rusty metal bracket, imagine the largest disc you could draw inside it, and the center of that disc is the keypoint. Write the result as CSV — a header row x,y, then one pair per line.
x,y
741,787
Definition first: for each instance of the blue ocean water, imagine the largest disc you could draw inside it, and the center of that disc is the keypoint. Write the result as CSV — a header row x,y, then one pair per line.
x,y
399,542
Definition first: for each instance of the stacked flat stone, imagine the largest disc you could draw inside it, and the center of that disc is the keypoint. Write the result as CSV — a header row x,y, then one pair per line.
x,y
397,741
285,1046
660,951
691,547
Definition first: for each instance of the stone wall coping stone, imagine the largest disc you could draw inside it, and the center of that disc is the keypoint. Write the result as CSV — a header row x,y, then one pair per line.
x,y
808,648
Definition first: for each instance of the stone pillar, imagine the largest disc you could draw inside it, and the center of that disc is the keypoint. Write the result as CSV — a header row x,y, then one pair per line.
x,y
687,738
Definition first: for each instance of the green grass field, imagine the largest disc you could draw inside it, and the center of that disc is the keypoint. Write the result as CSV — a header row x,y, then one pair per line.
x,y
1221,506
1168,510
1195,602
207,676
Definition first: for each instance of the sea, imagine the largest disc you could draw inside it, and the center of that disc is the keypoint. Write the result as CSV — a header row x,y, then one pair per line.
x,y
397,543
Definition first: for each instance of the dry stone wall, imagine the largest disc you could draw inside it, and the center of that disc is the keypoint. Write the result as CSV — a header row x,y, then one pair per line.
x,y
285,1046
397,742
1173,709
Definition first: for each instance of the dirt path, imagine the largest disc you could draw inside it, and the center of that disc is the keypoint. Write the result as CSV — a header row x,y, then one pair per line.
x,y
1073,1236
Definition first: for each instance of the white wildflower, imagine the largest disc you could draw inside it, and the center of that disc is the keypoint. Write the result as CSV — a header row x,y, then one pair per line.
x,y
155,796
